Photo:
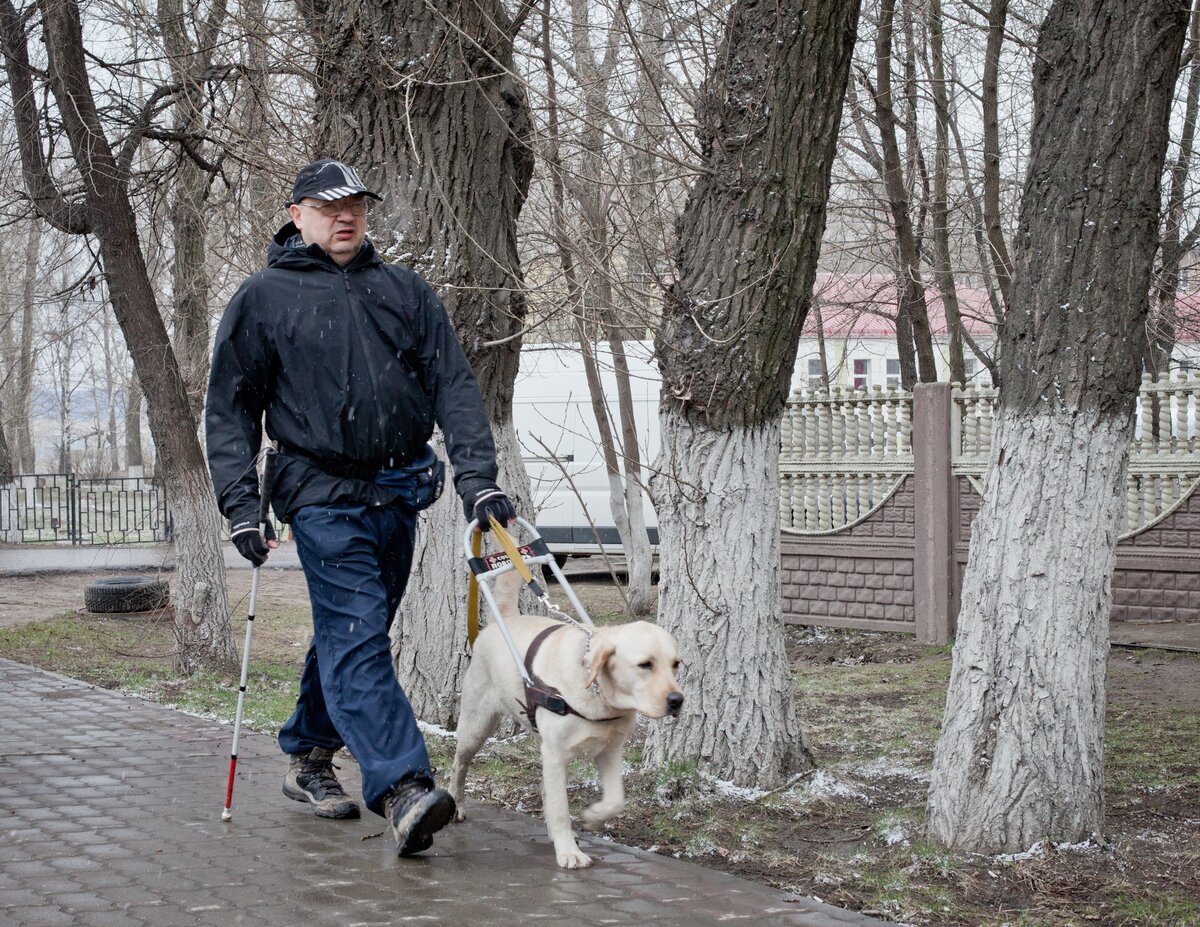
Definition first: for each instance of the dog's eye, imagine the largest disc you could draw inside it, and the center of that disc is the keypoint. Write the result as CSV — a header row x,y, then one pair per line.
x,y
648,665
676,664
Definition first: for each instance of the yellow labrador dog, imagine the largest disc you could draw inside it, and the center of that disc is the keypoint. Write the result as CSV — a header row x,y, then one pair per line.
x,y
604,678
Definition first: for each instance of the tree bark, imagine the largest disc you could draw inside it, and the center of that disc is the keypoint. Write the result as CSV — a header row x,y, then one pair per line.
x,y
749,240
421,97
202,627
1020,756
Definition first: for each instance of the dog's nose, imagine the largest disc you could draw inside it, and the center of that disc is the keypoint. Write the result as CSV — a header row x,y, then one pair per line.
x,y
674,703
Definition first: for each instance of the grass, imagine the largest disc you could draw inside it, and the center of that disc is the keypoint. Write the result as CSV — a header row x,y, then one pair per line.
x,y
1158,912
1155,749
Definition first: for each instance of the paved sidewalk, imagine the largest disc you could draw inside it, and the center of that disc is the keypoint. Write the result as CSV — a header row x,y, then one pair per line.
x,y
110,815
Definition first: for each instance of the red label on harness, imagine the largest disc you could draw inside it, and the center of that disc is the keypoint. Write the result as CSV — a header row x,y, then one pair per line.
x,y
500,558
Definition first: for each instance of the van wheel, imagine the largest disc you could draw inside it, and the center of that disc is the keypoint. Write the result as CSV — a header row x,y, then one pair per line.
x,y
561,560
126,594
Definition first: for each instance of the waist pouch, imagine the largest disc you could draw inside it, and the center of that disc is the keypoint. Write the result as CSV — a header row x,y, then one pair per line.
x,y
419,484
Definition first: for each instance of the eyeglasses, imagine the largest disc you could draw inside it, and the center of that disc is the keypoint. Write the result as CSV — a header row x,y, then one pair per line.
x,y
337,207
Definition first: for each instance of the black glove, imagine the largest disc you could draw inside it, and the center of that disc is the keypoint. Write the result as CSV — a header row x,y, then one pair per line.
x,y
250,543
490,500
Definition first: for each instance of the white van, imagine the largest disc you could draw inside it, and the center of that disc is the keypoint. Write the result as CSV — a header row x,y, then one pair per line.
x,y
552,413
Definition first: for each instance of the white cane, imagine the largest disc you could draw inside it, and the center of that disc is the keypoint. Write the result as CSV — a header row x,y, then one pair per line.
x,y
268,480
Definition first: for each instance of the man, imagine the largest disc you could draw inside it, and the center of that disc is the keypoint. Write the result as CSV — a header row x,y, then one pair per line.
x,y
352,361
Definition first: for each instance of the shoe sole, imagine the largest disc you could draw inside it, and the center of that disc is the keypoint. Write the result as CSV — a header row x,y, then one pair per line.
x,y
349,807
433,818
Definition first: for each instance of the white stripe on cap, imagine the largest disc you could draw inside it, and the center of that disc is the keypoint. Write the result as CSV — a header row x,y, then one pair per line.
x,y
337,193
350,175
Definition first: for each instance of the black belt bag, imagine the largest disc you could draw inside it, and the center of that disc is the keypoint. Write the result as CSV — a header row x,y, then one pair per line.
x,y
418,485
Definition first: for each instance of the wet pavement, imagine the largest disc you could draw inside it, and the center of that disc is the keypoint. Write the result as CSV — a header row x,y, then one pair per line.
x,y
111,815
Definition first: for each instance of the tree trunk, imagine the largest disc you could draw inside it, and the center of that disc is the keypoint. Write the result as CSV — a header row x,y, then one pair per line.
x,y
638,556
110,388
1174,246
738,716
1020,756
998,249
202,618
749,240
6,460
625,493
940,213
133,424
913,315
64,356
26,452
191,324
421,96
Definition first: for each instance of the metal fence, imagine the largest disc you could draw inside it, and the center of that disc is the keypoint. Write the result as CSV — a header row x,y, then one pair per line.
x,y
62,508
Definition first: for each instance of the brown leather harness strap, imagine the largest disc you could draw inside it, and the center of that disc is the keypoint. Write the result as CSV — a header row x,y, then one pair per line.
x,y
543,695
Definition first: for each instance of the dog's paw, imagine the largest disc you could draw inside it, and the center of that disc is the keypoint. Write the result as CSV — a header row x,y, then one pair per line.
x,y
593,819
459,815
573,859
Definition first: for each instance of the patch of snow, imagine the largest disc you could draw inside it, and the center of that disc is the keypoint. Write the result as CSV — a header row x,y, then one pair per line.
x,y
437,730
729,790
882,769
1043,847
823,785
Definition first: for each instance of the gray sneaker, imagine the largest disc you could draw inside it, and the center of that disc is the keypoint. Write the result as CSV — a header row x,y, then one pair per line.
x,y
416,809
311,778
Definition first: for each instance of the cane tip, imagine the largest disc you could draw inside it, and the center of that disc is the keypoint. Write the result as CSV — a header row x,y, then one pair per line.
x,y
226,815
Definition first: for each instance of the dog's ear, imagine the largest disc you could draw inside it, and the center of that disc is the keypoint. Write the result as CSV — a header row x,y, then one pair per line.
x,y
603,649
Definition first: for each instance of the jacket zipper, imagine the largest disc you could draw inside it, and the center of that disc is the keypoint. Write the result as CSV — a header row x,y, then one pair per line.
x,y
362,340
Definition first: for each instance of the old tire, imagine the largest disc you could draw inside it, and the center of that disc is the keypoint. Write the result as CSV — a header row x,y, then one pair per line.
x,y
126,594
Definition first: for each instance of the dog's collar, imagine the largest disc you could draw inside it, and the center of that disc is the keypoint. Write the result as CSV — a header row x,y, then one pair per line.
x,y
542,695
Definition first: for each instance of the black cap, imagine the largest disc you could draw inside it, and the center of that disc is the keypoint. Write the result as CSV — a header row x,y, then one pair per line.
x,y
328,180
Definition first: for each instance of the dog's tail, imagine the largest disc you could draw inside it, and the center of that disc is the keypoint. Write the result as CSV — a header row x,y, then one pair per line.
x,y
507,590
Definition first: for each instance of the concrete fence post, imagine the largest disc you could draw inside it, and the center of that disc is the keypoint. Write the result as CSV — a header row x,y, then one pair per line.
x,y
932,562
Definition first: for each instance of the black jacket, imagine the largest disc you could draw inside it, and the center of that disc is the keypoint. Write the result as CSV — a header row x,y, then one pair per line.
x,y
353,367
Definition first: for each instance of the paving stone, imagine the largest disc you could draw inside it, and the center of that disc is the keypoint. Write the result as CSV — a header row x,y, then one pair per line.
x,y
114,819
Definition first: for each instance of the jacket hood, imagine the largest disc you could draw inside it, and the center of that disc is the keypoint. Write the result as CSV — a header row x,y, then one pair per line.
x,y
288,250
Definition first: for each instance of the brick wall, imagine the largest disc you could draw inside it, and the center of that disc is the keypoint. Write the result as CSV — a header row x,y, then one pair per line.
x,y
1157,577
1158,571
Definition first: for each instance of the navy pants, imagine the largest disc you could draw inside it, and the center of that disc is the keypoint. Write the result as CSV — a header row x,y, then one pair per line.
x,y
356,559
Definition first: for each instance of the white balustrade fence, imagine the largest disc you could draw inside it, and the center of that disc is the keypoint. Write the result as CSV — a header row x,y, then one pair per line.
x,y
844,453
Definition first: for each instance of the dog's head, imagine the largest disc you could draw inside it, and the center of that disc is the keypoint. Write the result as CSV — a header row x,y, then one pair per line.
x,y
635,666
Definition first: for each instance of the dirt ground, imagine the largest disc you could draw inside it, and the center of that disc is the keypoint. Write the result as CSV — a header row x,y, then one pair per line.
x,y
849,832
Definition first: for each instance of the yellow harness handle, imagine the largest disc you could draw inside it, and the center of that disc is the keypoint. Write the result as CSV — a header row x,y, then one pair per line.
x,y
473,592
509,546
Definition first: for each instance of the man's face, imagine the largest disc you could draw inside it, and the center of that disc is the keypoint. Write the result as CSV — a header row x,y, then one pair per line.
x,y
338,226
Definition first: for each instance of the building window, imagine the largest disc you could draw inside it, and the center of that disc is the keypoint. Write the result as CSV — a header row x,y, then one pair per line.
x,y
970,368
862,373
893,373
815,380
